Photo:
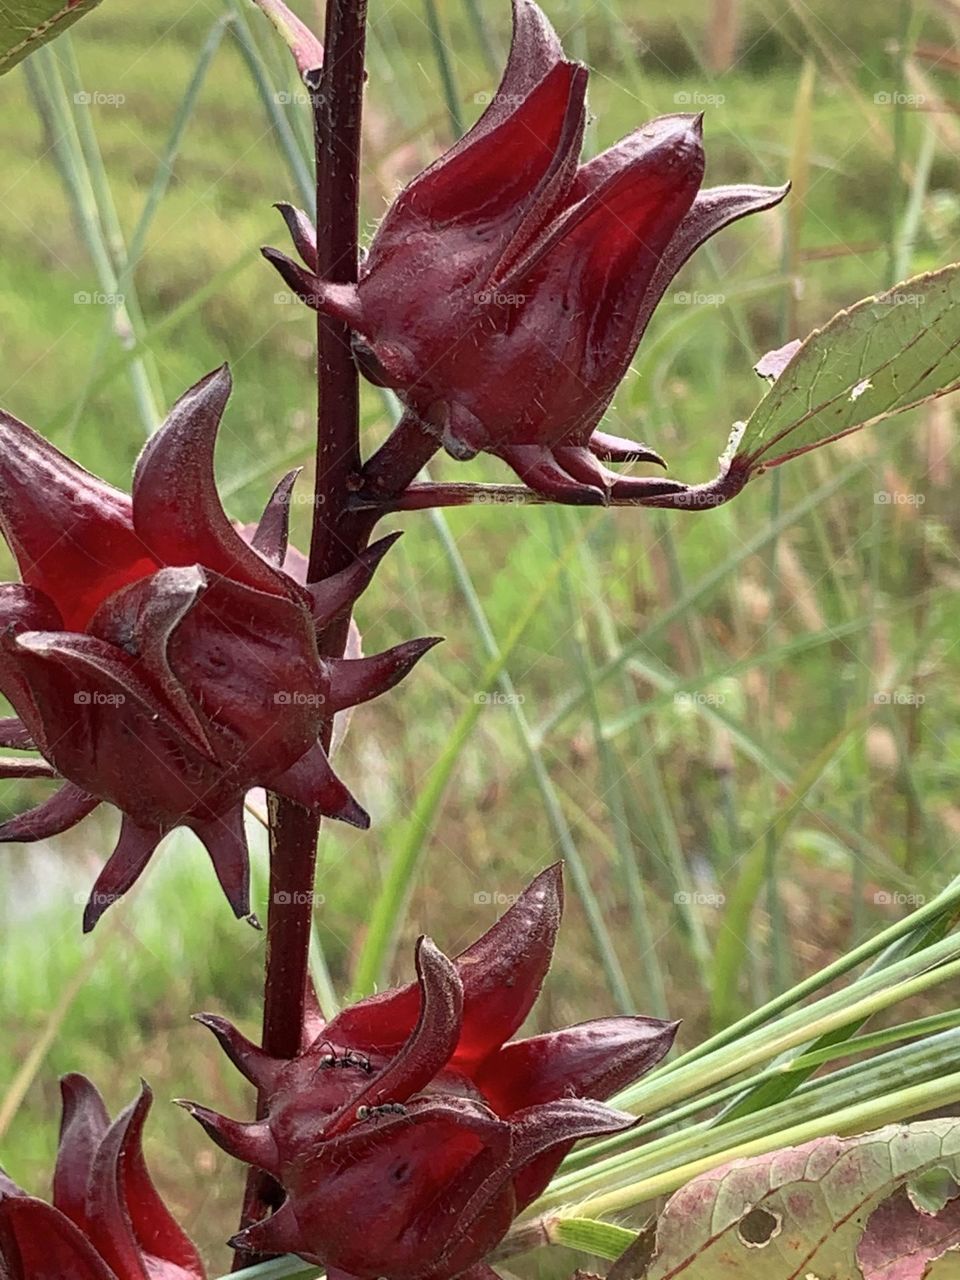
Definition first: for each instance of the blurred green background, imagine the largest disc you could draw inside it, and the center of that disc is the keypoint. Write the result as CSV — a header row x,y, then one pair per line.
x,y
735,725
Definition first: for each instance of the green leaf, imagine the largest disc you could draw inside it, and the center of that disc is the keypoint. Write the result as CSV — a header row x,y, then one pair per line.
x,y
587,1235
25,25
885,354
833,1207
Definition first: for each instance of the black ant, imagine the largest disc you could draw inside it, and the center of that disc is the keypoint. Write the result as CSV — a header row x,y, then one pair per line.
x,y
385,1109
349,1059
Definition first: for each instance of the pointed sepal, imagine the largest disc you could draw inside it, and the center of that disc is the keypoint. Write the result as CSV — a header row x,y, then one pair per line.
x,y
249,1059
357,680
251,1143
122,869
63,810
333,596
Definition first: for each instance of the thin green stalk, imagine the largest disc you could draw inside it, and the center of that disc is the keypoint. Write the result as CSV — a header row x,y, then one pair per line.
x,y
562,834
943,907
49,94
862,999
901,1068
158,188
488,50
183,311
441,51
588,1158
818,1022
293,152
407,848
107,213
856,1118
286,1268
701,590
614,774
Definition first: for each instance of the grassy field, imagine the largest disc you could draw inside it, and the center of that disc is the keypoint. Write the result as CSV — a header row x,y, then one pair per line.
x,y
738,725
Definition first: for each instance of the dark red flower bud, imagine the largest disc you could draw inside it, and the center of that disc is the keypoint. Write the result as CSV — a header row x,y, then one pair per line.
x,y
107,1221
409,1133
508,286
163,662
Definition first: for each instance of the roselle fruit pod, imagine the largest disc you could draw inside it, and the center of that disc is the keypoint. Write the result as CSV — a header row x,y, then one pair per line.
x,y
411,1129
508,286
163,661
106,1221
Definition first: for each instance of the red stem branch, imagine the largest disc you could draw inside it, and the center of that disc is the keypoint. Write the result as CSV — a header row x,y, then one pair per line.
x,y
336,536
425,497
340,527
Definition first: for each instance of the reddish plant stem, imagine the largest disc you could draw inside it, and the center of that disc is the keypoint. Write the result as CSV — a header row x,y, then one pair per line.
x,y
336,536
340,529
338,101
334,542
424,497
395,464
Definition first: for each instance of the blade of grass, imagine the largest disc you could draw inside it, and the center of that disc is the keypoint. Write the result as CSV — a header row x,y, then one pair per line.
x,y
535,760
909,1064
900,1068
106,211
856,1118
613,774
700,591
20,1084
183,311
732,945
481,28
158,188
298,162
50,99
589,1157
407,847
448,79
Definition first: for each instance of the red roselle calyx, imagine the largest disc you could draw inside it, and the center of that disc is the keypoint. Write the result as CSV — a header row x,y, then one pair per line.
x,y
107,1221
411,1130
162,660
508,285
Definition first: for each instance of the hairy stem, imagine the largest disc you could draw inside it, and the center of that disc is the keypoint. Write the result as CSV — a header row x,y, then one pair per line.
x,y
425,497
336,538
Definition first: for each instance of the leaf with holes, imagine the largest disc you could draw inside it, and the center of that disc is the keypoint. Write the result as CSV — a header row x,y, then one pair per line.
x,y
885,354
25,25
905,1238
881,1206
